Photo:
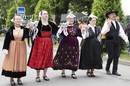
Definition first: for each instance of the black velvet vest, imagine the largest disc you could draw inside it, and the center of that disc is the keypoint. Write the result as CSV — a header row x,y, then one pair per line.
x,y
113,34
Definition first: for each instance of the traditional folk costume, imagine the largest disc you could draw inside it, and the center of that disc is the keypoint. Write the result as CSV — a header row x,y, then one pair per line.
x,y
14,64
67,56
42,50
113,31
90,57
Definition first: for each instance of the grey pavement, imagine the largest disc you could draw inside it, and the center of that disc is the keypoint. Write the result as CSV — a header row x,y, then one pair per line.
x,y
101,78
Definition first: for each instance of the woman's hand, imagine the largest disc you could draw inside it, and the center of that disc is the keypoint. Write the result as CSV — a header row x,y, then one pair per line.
x,y
30,25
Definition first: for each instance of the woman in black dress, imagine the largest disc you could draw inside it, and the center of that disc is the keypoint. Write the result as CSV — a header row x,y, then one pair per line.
x,y
90,57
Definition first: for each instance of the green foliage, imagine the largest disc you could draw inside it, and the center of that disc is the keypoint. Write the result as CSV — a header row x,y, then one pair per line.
x,y
58,7
100,7
10,15
29,5
81,5
4,6
42,5
54,7
11,10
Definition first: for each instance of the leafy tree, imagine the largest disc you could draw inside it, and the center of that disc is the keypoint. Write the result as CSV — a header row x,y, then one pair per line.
x,y
62,6
59,7
42,5
10,15
29,5
100,7
4,6
81,5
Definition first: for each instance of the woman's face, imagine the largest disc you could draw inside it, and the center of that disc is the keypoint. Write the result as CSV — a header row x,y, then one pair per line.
x,y
18,20
44,15
70,20
93,21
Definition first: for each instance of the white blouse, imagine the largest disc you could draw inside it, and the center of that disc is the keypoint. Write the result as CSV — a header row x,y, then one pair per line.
x,y
63,28
106,28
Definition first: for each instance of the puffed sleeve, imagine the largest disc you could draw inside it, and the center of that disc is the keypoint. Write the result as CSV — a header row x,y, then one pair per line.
x,y
62,31
122,34
27,35
79,32
99,34
7,41
105,28
26,32
84,31
39,28
79,36
54,28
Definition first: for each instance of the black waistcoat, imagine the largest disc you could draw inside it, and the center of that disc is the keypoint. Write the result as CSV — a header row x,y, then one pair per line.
x,y
113,34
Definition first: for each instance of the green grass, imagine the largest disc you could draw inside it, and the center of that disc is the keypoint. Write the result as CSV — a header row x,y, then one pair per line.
x,y
125,56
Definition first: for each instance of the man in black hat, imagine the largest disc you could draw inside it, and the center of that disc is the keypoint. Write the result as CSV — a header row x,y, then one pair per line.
x,y
113,31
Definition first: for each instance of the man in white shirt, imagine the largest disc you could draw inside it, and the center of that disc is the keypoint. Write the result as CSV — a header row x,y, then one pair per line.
x,y
113,31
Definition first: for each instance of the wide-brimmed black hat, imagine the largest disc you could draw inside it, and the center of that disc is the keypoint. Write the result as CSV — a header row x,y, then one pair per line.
x,y
110,12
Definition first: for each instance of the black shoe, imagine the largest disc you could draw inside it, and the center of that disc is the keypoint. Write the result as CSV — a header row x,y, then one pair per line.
x,y
19,82
12,83
63,75
92,75
46,78
108,72
38,79
117,74
88,74
74,76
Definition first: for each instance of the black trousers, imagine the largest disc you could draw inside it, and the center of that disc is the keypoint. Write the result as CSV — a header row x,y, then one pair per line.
x,y
113,50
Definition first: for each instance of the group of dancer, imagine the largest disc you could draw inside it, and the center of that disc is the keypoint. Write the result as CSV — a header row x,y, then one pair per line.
x,y
68,55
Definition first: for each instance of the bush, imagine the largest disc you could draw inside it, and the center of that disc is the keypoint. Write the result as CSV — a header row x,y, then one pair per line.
x,y
10,14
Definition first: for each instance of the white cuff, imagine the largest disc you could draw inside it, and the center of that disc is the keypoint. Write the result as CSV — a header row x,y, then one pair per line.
x,y
79,39
5,51
127,42
57,35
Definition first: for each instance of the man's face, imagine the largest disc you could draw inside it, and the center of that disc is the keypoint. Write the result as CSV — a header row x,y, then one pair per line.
x,y
112,16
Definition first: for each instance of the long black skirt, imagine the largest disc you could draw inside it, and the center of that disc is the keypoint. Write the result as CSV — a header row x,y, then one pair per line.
x,y
90,57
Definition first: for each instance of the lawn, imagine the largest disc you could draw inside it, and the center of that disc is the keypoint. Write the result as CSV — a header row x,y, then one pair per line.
x,y
125,55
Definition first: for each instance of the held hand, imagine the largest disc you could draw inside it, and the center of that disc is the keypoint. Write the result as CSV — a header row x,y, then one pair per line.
x,y
30,25
109,22
127,42
5,51
58,35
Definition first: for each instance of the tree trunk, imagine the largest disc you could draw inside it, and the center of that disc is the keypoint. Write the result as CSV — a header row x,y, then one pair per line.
x,y
57,18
